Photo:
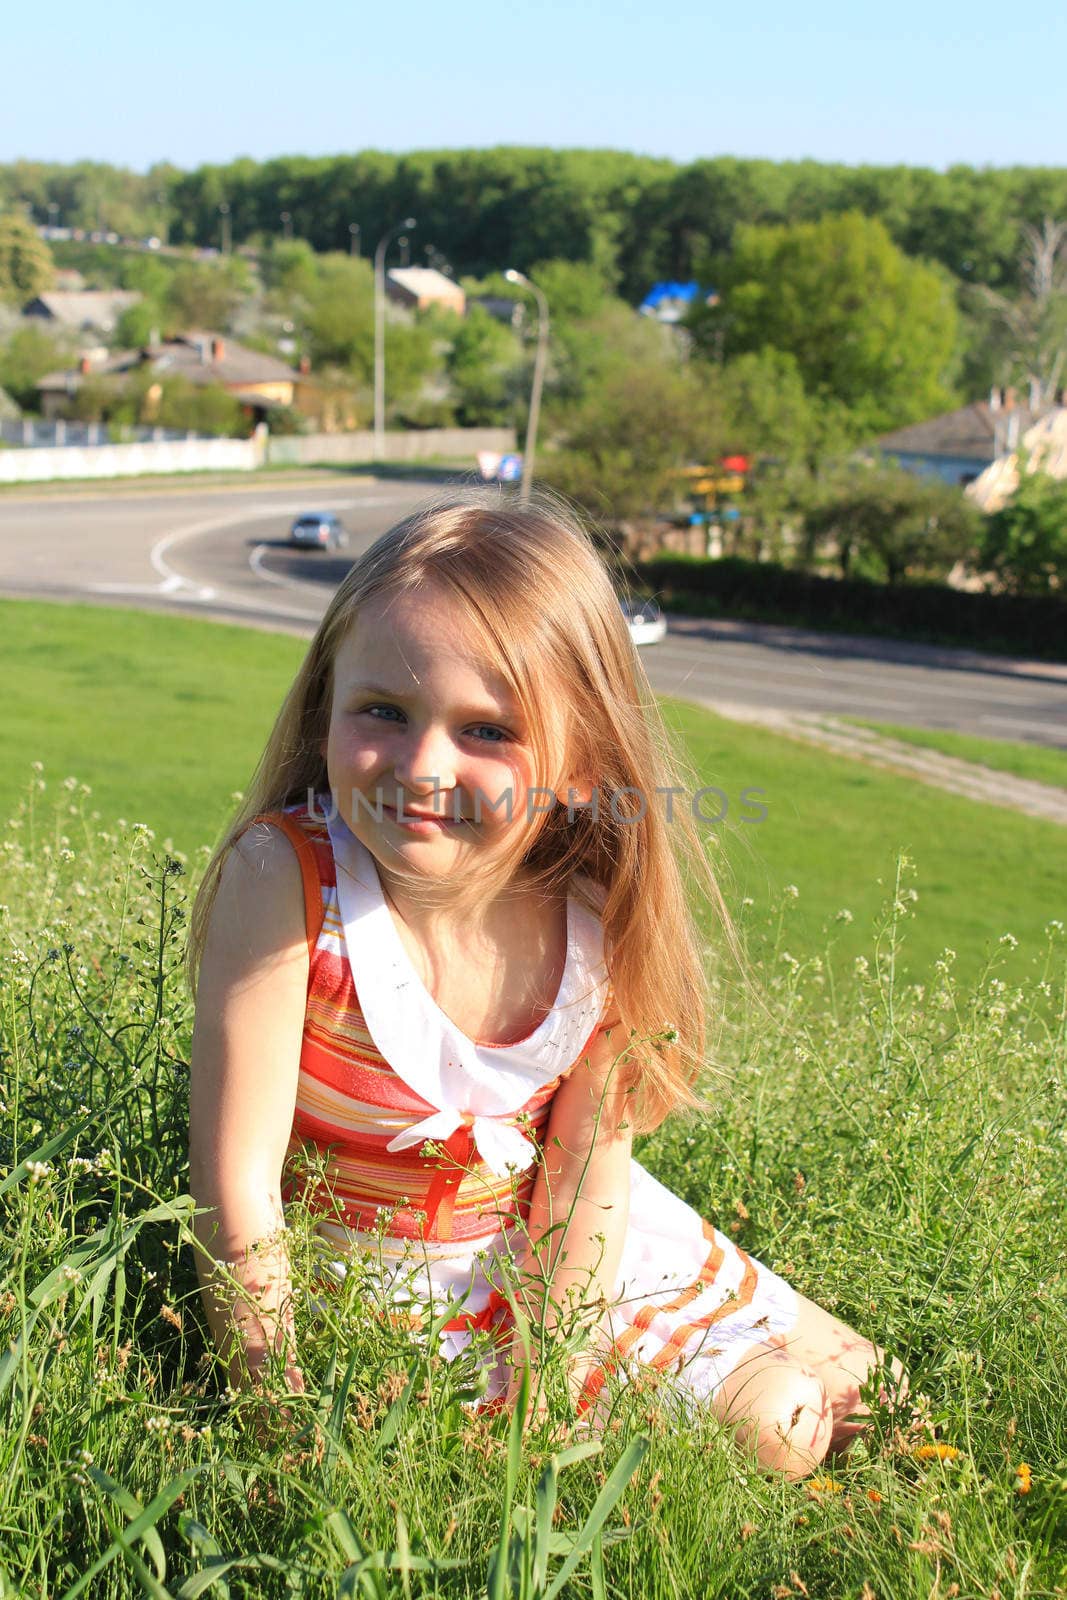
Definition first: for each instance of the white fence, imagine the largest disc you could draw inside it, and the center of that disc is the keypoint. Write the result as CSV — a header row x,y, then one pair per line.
x,y
33,433
418,444
40,464
129,460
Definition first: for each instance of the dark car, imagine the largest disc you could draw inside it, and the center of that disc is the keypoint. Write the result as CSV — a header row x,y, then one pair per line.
x,y
318,530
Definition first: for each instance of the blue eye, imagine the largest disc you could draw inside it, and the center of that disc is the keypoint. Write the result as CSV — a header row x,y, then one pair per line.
x,y
501,736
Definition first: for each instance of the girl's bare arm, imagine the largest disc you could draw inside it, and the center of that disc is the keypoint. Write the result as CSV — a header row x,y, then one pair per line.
x,y
251,997
581,1201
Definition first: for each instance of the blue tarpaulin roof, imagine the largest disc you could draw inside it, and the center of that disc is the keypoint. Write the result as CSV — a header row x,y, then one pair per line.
x,y
660,292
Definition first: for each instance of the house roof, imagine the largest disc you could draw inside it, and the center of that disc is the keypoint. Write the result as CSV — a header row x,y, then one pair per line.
x,y
70,378
976,432
190,356
425,283
83,308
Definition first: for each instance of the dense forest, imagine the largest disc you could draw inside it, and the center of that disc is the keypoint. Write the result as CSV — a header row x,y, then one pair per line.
x,y
637,218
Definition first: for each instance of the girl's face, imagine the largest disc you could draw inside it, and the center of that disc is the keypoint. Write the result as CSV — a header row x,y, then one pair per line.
x,y
421,723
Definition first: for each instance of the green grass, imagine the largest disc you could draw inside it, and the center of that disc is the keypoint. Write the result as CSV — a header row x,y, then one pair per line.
x,y
162,716
895,1148
832,831
1039,762
165,717
896,1151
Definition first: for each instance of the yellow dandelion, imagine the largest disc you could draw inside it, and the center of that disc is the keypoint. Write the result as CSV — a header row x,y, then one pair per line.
x,y
817,1486
1023,1483
936,1452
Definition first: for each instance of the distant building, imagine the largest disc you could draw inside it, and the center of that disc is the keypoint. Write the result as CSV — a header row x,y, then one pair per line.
x,y
82,310
502,307
419,287
260,382
958,445
976,447
669,302
1045,443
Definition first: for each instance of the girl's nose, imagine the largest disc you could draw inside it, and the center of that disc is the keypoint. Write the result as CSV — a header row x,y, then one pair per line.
x,y
426,758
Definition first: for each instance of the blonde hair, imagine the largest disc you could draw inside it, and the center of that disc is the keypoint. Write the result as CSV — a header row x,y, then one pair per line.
x,y
542,603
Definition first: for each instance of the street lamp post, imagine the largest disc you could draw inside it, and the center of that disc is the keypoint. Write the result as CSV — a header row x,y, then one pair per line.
x,y
287,225
224,213
353,238
538,380
379,333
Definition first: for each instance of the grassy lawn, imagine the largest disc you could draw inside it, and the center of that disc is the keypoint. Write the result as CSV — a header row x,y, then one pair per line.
x,y
1034,761
894,1149
164,718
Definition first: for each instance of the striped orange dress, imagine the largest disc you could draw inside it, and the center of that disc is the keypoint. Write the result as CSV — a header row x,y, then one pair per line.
x,y
427,1142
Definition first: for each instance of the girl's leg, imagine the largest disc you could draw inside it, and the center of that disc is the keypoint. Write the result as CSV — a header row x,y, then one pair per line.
x,y
842,1360
779,1409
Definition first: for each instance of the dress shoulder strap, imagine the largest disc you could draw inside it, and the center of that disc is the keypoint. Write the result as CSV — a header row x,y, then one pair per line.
x,y
303,833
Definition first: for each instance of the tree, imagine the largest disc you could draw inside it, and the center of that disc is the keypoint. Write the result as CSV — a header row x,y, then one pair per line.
x,y
137,324
767,409
338,315
1025,541
28,355
26,266
622,451
891,524
483,366
199,408
868,327
1033,326
205,294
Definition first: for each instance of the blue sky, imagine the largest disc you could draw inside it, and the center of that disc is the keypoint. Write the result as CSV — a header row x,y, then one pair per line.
x,y
922,83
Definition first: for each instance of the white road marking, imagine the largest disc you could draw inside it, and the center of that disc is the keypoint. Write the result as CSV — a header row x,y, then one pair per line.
x,y
255,561
176,585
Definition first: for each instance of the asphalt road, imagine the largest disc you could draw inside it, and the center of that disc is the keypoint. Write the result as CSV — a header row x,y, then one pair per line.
x,y
222,553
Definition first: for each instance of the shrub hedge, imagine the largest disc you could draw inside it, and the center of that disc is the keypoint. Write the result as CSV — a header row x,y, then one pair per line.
x,y
932,613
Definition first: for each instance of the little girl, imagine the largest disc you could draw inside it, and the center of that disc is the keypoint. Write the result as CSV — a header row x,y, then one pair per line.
x,y
446,944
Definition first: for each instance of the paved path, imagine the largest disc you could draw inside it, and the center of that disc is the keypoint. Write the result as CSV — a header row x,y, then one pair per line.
x,y
965,778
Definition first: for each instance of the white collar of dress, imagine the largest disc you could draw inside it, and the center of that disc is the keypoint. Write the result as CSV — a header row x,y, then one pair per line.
x,y
420,1043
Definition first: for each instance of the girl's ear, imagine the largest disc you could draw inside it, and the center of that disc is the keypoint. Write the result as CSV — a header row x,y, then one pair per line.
x,y
577,791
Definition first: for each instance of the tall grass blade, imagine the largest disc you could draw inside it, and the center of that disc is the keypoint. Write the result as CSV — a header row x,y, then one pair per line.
x,y
618,1478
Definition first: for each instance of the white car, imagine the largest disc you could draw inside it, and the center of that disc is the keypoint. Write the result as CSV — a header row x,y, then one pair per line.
x,y
646,621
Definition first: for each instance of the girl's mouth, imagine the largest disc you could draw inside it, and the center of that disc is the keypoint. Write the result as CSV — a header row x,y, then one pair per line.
x,y
420,824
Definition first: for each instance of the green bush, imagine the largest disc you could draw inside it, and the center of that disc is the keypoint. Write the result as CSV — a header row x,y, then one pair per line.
x,y
930,613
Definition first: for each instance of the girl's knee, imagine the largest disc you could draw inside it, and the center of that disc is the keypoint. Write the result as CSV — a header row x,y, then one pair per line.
x,y
783,1414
